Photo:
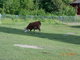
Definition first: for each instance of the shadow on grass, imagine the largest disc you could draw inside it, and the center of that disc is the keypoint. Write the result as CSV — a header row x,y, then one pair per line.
x,y
52,36
76,26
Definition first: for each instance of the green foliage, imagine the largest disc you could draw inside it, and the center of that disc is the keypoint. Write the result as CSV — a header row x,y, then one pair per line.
x,y
37,7
38,12
26,4
32,12
67,1
69,11
0,10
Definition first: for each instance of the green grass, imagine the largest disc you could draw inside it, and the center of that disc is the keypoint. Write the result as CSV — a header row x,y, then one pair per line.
x,y
57,45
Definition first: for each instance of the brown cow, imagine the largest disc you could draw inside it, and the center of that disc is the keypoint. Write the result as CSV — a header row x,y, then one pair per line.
x,y
33,26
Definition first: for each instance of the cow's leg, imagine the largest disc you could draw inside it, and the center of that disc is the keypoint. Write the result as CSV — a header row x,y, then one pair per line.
x,y
34,29
30,29
39,29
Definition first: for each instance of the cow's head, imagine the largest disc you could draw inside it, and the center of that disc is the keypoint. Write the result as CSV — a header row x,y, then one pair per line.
x,y
26,30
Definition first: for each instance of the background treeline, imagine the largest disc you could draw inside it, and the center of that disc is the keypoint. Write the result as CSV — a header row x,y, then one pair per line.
x,y
37,7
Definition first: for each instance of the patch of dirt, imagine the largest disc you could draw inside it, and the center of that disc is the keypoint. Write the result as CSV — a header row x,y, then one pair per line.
x,y
27,46
69,33
69,54
72,23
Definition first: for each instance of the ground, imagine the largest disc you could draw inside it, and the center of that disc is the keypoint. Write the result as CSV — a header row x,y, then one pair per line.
x,y
59,42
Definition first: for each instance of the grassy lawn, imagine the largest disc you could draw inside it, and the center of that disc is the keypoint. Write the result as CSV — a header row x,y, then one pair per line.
x,y
59,42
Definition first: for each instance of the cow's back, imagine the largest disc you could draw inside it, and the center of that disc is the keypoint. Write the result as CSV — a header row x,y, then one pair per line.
x,y
37,23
